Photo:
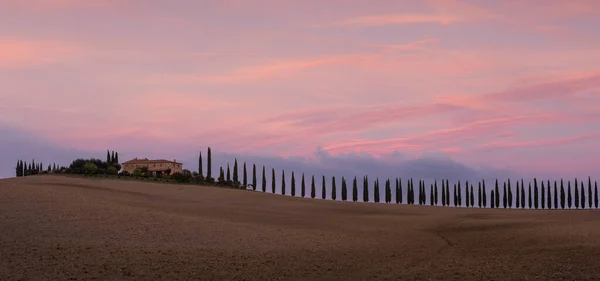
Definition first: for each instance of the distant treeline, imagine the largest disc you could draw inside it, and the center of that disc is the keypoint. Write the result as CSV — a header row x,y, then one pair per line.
x,y
538,194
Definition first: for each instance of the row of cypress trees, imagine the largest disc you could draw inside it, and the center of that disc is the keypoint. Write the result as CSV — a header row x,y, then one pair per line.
x,y
537,197
23,168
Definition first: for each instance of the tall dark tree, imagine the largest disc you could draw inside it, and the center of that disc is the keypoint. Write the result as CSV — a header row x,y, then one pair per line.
x,y
116,158
17,168
590,192
303,186
313,192
400,189
420,192
569,198
576,195
518,197
522,196
510,194
497,195
112,157
479,194
455,197
235,171
409,192
582,195
200,164
398,194
467,197
376,189
543,195
388,191
535,194
221,174
493,199
484,193
431,197
459,195
293,184
282,182
108,159
472,196
435,190
344,190
562,194
208,165
549,197
254,177
504,196
354,190
555,195
245,179
333,189
228,173
323,189
365,189
273,180
529,196
264,180
443,193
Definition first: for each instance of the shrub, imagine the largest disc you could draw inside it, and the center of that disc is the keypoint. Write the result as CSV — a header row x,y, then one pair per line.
x,y
137,172
111,170
90,168
180,177
125,173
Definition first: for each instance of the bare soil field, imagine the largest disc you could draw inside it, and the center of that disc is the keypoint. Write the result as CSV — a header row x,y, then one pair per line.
x,y
62,228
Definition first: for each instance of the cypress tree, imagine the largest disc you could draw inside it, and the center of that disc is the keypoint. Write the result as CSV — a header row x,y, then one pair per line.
x,y
497,195
447,193
472,196
387,191
397,192
493,199
409,198
443,194
344,190
313,192
49,168
420,193
303,185
582,196
484,193
112,157
569,198
455,197
273,181
529,199
522,196
510,195
576,195
376,195
543,195
228,173
535,193
245,179
354,190
17,173
431,195
333,189
293,185
504,196
435,187
200,164
596,194
254,177
264,180
562,194
235,171
590,192
518,197
221,174
479,194
365,189
467,197
208,165
400,189
549,196
282,182
108,160
116,158
555,196
323,189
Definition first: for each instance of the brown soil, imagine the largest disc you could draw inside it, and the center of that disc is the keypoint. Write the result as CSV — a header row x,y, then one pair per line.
x,y
54,227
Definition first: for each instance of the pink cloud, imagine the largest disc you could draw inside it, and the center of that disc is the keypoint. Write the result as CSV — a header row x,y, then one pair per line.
x,y
545,142
24,53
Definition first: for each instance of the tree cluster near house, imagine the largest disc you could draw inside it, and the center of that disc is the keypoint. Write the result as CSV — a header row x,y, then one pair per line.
x,y
539,195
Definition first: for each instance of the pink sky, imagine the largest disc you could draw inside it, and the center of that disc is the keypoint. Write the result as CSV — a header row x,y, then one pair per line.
x,y
504,83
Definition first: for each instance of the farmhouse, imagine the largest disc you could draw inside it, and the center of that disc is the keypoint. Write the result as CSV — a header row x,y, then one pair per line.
x,y
157,167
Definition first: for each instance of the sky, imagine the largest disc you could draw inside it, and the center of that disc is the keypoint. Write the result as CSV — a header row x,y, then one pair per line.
x,y
422,87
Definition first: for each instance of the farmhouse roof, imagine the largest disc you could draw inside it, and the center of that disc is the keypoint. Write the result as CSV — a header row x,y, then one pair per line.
x,y
148,161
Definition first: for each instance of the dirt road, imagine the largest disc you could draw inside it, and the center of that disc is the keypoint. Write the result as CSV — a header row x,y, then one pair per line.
x,y
55,227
